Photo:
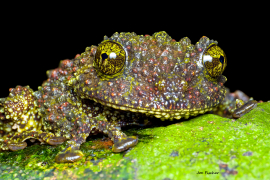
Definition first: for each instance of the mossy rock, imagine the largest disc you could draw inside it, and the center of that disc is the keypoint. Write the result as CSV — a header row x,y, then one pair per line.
x,y
227,148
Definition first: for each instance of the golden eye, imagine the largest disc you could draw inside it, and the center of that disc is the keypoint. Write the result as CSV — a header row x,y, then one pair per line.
x,y
110,58
214,60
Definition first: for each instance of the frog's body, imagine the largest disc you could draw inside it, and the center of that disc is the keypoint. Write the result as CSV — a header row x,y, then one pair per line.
x,y
124,80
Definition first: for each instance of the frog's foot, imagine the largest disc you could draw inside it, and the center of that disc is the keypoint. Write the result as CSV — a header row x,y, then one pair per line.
x,y
69,155
121,141
243,108
124,143
17,140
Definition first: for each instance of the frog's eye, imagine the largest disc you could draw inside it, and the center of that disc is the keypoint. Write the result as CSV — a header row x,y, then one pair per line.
x,y
214,60
110,58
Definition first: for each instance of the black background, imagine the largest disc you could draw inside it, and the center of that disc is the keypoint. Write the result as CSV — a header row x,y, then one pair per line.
x,y
35,40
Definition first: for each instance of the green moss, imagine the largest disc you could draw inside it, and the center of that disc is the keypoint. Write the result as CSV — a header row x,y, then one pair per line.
x,y
176,151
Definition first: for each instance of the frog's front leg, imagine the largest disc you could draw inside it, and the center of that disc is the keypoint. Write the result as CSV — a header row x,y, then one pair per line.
x,y
235,105
121,141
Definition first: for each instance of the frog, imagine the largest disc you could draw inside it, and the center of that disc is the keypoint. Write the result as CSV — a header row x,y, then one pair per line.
x,y
125,80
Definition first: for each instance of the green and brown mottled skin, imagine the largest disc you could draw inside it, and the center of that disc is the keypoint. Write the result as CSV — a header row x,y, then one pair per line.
x,y
161,78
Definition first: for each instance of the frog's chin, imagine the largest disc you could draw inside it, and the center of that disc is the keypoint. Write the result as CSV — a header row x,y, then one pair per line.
x,y
163,114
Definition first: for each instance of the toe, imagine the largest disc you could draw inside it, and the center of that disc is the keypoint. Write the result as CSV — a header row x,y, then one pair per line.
x,y
239,112
56,140
17,146
124,143
68,155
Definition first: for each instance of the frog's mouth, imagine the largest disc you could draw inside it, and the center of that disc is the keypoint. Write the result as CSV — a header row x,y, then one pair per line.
x,y
163,114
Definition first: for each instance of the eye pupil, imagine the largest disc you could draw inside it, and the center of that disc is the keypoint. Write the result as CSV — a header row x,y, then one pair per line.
x,y
104,56
221,59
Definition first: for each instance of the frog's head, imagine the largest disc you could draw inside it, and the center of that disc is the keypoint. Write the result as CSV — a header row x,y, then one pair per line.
x,y
152,74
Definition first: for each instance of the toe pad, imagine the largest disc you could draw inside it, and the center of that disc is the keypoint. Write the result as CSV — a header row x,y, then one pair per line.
x,y
68,155
124,143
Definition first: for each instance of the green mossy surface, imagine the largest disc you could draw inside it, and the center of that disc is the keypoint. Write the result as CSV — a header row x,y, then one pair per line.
x,y
176,151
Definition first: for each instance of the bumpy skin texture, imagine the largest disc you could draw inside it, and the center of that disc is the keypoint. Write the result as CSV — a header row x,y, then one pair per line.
x,y
159,78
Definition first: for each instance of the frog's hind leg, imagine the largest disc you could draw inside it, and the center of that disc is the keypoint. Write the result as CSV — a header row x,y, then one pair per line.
x,y
20,120
121,141
17,140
